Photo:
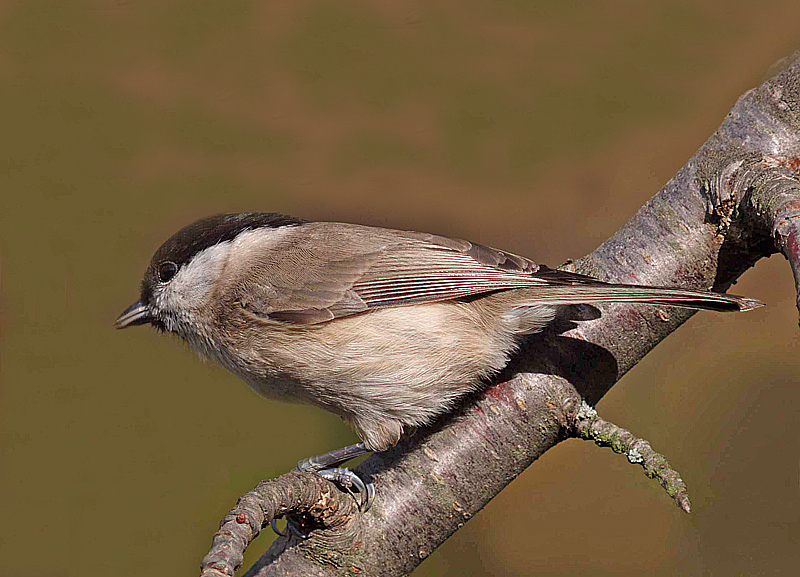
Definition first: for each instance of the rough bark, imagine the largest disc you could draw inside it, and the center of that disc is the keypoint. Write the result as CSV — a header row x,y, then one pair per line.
x,y
735,201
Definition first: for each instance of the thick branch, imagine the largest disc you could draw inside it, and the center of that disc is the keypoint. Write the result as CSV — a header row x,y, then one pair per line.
x,y
717,216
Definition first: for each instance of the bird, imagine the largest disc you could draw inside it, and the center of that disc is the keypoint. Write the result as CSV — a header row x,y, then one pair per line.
x,y
386,328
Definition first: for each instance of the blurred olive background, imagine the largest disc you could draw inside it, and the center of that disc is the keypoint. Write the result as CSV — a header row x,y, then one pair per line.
x,y
538,127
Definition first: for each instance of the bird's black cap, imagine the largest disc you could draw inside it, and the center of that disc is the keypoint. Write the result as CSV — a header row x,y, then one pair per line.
x,y
204,233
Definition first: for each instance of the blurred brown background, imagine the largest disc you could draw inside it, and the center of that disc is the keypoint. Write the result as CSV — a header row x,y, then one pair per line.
x,y
538,127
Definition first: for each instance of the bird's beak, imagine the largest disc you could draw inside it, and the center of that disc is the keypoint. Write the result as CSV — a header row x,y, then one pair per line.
x,y
136,314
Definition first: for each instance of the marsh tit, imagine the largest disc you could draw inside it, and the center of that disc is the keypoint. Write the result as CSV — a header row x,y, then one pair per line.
x,y
385,328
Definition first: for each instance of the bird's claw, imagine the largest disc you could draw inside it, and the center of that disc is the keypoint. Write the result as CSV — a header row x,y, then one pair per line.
x,y
348,480
322,466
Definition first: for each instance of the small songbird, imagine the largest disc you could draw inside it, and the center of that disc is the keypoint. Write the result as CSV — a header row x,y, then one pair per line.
x,y
385,328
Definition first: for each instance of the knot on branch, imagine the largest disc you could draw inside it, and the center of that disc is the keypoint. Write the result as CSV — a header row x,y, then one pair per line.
x,y
769,190
753,186
313,503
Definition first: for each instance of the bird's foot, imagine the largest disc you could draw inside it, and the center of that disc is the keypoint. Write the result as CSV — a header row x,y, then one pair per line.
x,y
323,465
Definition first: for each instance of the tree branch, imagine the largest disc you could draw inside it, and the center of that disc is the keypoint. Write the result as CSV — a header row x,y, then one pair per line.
x,y
592,428
735,201
316,505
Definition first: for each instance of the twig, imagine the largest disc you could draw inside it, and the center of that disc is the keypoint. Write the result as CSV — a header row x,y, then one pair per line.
x,y
638,451
317,503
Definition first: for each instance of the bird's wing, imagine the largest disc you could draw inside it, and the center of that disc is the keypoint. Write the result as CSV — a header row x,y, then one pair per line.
x,y
323,271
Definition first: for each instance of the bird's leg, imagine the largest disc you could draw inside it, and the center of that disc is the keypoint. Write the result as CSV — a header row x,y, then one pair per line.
x,y
325,466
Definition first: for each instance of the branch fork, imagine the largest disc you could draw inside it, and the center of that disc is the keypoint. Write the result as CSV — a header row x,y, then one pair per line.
x,y
735,201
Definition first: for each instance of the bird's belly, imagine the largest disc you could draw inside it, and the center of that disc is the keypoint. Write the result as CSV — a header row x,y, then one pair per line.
x,y
381,371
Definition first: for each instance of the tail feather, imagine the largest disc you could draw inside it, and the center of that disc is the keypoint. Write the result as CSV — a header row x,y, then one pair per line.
x,y
664,296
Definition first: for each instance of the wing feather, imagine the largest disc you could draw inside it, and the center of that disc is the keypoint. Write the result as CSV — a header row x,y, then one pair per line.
x,y
323,271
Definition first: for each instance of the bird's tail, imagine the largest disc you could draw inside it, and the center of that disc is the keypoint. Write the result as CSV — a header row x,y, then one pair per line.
x,y
621,293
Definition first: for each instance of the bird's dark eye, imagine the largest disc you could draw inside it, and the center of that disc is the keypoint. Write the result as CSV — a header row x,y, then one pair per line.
x,y
167,270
